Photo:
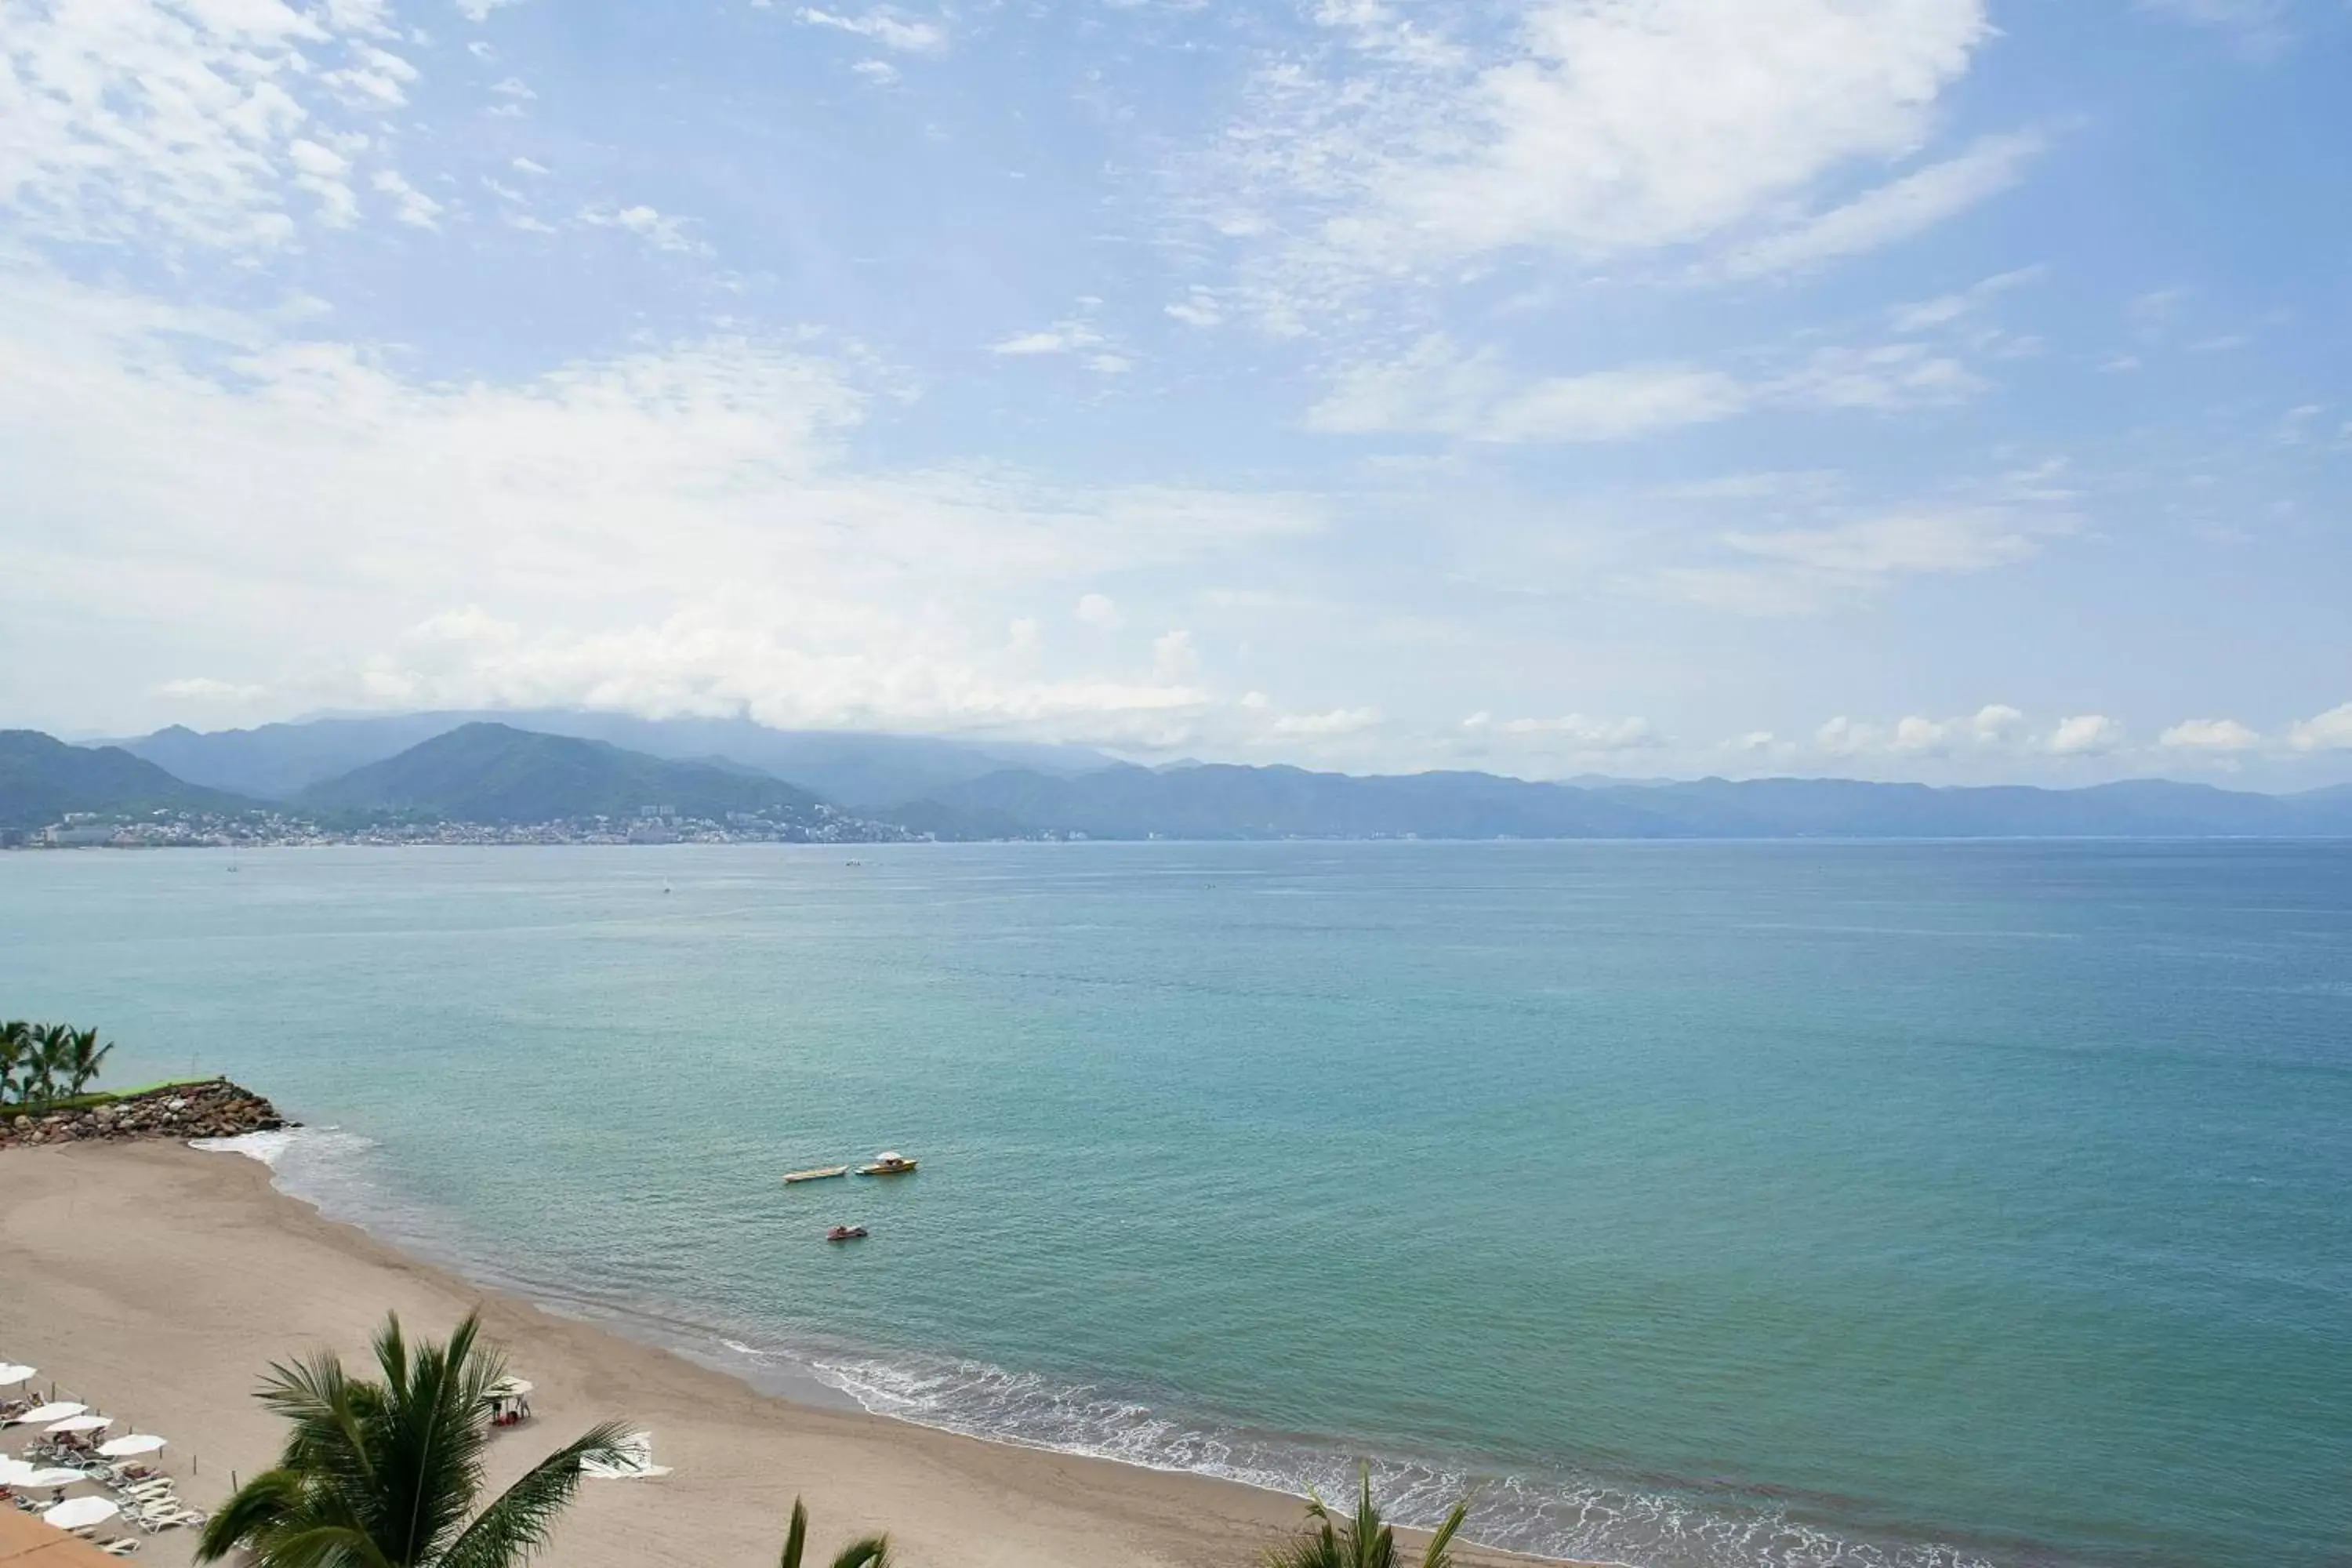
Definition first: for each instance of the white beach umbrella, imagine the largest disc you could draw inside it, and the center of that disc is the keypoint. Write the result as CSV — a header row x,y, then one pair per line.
x,y
79,1513
57,1412
11,1374
83,1424
133,1444
49,1479
13,1470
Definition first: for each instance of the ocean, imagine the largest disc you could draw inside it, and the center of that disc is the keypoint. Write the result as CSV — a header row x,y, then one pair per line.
x,y
1816,1205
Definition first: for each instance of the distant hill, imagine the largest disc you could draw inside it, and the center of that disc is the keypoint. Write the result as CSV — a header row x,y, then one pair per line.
x,y
42,779
1226,802
496,774
278,762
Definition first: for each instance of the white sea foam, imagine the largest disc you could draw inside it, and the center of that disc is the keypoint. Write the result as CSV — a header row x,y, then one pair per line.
x,y
266,1147
1562,1515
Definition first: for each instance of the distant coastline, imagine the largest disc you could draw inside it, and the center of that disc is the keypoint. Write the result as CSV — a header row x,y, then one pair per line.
x,y
482,782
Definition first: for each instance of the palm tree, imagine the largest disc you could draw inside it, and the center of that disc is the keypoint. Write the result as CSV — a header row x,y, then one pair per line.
x,y
16,1054
873,1551
1364,1541
386,1474
84,1057
50,1059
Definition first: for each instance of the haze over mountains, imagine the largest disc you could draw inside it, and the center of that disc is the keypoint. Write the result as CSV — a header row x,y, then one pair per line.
x,y
496,774
455,768
278,762
42,779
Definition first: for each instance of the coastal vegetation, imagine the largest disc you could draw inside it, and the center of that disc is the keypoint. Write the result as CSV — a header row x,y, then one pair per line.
x,y
385,1472
1362,1540
42,1064
872,1551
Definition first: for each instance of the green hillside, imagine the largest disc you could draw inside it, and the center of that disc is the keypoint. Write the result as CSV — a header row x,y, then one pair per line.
x,y
42,778
496,774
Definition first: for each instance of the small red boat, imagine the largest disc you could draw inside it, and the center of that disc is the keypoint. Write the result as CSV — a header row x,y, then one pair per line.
x,y
846,1233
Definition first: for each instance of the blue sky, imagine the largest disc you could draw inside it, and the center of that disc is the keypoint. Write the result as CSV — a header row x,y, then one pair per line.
x,y
1940,389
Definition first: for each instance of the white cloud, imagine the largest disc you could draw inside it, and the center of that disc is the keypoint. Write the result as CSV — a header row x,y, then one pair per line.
x,y
1897,210
1993,726
1100,612
513,87
409,205
479,11
881,73
1337,721
2259,27
2086,735
375,80
1173,656
2210,735
1198,309
1885,377
663,231
1614,405
1572,732
1435,389
1794,570
143,122
884,28
679,529
325,173
1062,338
1945,310
1594,127
2330,732
204,688
526,166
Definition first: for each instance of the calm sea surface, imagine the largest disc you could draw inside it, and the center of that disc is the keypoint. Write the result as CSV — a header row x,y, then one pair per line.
x,y
1718,1206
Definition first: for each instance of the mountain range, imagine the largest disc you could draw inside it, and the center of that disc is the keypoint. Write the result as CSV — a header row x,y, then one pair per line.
x,y
1218,800
278,762
455,768
42,779
488,773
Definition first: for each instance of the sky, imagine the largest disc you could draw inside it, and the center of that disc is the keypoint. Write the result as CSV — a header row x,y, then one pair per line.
x,y
1955,390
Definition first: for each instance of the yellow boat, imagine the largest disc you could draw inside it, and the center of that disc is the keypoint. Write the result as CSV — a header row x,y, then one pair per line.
x,y
889,1162
818,1175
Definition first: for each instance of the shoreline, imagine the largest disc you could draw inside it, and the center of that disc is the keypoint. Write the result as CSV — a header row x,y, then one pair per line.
x,y
156,1281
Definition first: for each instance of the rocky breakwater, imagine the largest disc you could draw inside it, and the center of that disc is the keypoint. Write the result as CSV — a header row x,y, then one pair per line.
x,y
214,1109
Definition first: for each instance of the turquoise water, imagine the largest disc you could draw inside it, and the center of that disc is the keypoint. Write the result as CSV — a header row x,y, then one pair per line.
x,y
1705,1205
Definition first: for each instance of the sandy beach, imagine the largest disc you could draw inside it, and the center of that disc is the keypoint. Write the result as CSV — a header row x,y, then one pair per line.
x,y
155,1283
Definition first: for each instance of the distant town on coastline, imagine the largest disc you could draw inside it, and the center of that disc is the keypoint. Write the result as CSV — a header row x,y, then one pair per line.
x,y
581,778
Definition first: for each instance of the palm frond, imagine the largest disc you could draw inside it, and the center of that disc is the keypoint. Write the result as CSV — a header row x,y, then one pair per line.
x,y
264,1500
1440,1551
519,1521
796,1535
874,1552
428,1440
